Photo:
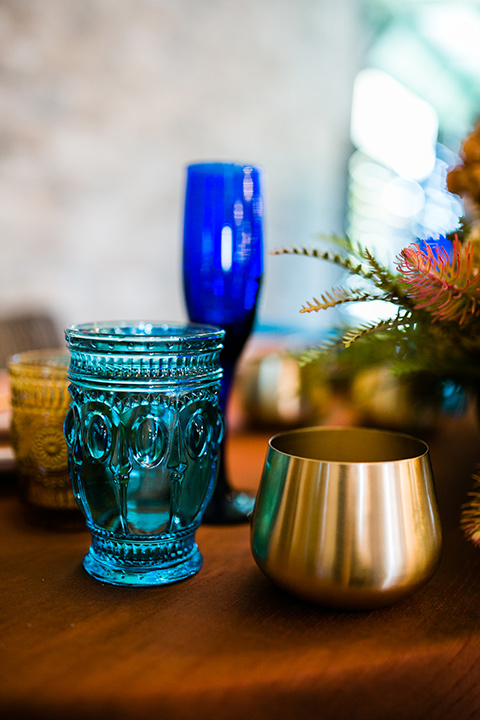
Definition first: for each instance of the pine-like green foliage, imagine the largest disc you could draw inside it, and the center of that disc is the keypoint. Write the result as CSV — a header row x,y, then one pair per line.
x,y
436,328
338,296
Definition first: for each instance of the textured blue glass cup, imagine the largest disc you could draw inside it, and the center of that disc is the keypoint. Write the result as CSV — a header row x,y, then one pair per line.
x,y
222,272
143,432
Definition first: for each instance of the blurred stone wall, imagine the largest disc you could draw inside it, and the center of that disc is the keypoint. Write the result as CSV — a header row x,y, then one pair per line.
x,y
104,102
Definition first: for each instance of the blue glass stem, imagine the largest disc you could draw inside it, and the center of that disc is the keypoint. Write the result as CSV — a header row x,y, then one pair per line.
x,y
222,270
229,506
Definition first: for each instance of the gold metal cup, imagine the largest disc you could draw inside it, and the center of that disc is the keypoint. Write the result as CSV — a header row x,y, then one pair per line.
x,y
40,402
347,517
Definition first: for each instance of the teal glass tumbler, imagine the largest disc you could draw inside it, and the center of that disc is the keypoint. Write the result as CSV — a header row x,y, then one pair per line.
x,y
143,432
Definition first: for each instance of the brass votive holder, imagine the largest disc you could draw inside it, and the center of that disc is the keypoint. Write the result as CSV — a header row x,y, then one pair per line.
x,y
40,402
347,517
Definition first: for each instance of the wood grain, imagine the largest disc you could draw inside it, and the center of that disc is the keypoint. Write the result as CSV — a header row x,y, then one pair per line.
x,y
228,644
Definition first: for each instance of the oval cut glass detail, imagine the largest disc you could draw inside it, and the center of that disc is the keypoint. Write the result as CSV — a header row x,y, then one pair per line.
x,y
150,440
98,436
198,434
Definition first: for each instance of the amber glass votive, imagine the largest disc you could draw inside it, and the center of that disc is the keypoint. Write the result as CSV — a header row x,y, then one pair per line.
x,y
40,402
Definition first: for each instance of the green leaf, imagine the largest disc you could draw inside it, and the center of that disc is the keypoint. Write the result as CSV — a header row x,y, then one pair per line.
x,y
339,296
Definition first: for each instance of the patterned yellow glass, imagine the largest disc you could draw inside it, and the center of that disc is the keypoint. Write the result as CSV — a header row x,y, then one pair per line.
x,y
40,402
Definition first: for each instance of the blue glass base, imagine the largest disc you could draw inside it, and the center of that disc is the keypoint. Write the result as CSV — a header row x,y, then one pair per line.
x,y
142,561
141,577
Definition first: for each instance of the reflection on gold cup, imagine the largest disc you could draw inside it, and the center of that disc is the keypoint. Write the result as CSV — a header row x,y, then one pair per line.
x,y
40,402
347,517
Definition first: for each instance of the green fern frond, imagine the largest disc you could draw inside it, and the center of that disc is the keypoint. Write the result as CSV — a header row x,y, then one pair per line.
x,y
374,328
341,260
356,260
350,336
339,296
386,281
382,276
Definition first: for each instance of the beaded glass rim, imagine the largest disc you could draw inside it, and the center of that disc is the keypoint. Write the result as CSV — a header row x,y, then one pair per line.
x,y
143,335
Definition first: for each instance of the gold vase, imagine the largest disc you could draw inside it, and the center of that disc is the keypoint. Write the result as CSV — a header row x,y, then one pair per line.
x,y
347,517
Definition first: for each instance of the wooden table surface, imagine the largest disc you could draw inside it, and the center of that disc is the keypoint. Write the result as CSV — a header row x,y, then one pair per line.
x,y
227,643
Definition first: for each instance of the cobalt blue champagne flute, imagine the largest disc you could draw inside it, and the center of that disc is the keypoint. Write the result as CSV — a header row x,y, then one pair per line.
x,y
222,271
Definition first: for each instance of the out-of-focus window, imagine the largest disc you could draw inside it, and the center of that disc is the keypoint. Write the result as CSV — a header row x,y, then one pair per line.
x,y
415,99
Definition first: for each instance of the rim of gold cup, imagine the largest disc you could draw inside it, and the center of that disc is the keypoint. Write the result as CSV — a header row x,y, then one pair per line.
x,y
347,517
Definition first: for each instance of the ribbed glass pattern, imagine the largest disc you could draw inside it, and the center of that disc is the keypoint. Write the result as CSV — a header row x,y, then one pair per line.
x,y
143,435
